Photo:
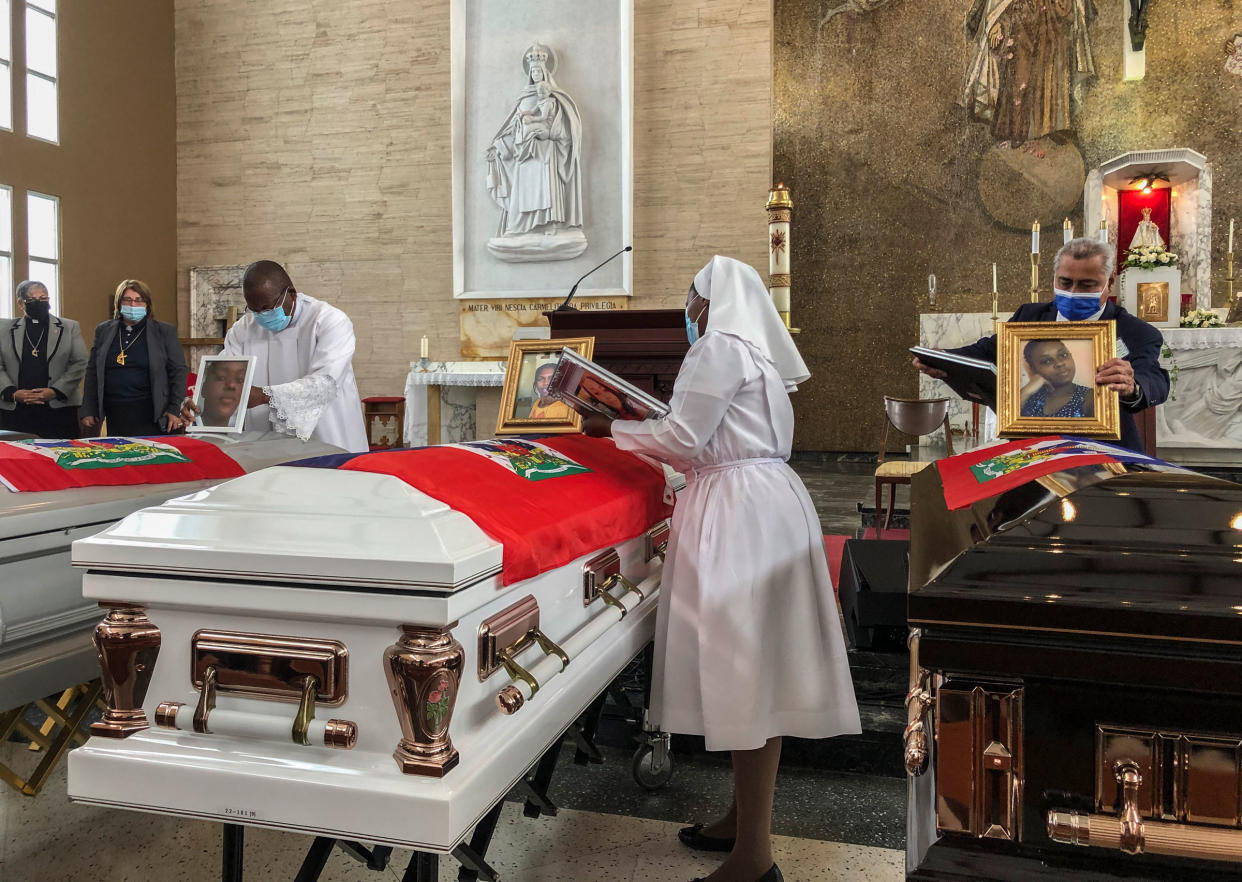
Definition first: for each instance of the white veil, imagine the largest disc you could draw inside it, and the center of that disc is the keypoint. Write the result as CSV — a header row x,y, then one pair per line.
x,y
741,306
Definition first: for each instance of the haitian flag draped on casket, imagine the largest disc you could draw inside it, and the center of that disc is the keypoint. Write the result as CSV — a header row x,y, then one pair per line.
x,y
990,471
547,500
48,464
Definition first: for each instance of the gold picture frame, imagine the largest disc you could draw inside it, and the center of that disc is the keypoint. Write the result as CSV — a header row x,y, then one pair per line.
x,y
518,399
1060,380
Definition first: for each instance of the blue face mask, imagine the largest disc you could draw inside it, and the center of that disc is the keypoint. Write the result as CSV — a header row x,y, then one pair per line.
x,y
133,313
692,330
1076,307
274,319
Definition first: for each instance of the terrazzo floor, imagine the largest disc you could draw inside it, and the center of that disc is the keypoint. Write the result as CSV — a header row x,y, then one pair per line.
x,y
48,839
828,825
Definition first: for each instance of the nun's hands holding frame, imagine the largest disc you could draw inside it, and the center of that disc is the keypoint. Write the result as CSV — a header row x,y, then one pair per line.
x,y
596,425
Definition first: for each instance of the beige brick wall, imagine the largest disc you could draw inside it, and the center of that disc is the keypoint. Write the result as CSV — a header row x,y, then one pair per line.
x,y
316,133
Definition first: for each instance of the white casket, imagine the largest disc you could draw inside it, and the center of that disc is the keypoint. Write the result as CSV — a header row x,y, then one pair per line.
x,y
45,624
435,686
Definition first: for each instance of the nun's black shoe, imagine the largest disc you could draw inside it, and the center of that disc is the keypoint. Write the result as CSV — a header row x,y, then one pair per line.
x,y
772,875
693,838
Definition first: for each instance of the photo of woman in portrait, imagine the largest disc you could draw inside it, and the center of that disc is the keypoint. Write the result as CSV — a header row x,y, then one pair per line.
x,y
543,406
1049,388
223,387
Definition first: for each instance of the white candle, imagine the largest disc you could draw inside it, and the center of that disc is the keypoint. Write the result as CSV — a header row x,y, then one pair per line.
x,y
422,347
1035,238
1231,235
993,278
1067,231
1103,237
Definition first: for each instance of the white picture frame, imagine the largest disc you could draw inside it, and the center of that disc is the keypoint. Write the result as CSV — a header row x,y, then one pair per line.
x,y
216,391
593,44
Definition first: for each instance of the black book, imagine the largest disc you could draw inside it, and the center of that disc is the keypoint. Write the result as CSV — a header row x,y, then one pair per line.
x,y
971,378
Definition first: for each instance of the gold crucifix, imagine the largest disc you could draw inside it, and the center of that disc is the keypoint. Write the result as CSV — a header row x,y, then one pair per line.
x,y
120,359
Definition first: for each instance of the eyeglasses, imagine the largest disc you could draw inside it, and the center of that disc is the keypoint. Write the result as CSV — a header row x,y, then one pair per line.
x,y
277,305
133,301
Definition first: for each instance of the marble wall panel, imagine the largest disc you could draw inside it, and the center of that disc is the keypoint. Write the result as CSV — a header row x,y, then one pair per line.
x,y
316,133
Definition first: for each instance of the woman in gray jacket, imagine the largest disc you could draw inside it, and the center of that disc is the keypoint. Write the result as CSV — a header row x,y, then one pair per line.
x,y
136,377
42,357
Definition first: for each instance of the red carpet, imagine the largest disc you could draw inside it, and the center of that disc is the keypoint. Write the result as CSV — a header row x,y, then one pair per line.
x,y
835,546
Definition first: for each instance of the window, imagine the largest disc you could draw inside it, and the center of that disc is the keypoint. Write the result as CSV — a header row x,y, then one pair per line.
x,y
42,116
6,252
6,67
43,242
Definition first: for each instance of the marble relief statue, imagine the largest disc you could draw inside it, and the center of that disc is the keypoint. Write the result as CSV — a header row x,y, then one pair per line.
x,y
1147,233
534,169
1031,58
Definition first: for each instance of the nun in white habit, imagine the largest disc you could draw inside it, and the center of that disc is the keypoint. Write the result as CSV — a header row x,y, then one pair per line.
x,y
748,639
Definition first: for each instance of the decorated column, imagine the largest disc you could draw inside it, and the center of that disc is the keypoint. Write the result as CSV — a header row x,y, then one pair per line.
x,y
780,212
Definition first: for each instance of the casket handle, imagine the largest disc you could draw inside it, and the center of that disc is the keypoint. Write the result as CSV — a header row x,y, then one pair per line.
x,y
516,671
206,701
918,701
306,711
619,579
549,647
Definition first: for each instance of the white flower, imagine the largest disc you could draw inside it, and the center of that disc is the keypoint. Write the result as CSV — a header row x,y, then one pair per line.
x,y
1164,258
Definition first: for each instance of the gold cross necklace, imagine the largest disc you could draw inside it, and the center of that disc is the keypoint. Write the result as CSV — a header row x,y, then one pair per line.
x,y
120,358
34,347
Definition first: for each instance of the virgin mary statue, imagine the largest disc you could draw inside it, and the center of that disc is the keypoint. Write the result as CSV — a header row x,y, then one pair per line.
x,y
534,169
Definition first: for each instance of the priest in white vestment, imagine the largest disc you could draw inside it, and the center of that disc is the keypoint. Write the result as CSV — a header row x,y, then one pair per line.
x,y
748,638
303,382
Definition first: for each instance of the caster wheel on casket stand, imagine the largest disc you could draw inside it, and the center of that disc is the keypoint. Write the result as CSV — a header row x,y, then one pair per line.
x,y
652,766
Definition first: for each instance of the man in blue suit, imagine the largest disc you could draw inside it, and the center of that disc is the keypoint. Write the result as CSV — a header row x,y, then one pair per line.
x,y
1082,280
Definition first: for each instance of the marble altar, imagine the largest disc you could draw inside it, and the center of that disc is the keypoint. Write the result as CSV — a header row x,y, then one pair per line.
x,y
1201,423
442,400
947,330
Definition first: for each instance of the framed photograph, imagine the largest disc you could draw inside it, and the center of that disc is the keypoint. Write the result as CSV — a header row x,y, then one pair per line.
x,y
527,406
221,393
1046,380
589,388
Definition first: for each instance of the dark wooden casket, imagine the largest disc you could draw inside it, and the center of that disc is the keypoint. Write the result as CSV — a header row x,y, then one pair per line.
x,y
1076,679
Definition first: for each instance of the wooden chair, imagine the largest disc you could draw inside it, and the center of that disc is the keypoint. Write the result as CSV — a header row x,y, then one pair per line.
x,y
913,416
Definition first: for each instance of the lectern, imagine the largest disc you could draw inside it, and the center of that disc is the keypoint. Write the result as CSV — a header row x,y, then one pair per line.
x,y
643,346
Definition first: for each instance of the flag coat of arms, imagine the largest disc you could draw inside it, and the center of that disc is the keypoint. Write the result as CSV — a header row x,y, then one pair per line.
x,y
990,471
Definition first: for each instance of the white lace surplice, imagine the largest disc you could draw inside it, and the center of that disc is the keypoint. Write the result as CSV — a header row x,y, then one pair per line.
x,y
307,371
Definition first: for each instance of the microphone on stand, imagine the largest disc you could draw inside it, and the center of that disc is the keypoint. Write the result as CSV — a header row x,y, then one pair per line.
x,y
565,307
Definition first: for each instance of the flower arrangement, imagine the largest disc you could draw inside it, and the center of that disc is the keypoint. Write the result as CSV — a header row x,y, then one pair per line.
x,y
1202,318
1149,257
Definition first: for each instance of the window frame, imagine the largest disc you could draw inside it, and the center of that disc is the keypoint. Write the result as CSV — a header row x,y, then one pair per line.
x,y
7,284
30,6
6,62
55,261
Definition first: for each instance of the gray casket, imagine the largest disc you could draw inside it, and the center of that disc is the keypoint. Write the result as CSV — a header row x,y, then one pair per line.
x,y
334,652
45,624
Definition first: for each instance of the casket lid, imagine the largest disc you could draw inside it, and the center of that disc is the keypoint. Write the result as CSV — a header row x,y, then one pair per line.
x,y
331,528
1140,554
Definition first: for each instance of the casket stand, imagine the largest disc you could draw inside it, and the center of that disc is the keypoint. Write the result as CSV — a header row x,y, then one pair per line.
x,y
1075,709
242,616
45,624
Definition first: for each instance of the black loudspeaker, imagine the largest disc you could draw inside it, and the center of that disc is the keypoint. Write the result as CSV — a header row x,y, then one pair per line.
x,y
874,573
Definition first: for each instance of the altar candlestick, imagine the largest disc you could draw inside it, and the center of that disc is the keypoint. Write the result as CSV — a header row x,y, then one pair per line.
x,y
1231,235
780,213
422,347
1035,238
1035,262
1067,231
1103,235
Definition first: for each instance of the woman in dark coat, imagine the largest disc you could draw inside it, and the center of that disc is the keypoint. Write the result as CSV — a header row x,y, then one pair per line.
x,y
135,379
